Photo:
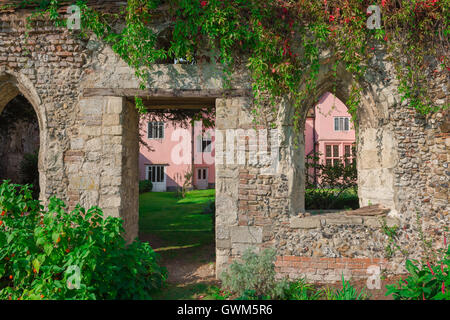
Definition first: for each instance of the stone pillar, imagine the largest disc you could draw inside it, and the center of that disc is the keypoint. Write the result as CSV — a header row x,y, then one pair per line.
x,y
227,183
102,163
376,162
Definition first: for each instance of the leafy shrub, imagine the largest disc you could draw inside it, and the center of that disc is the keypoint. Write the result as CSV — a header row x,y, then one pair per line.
x,y
331,199
426,281
348,292
332,186
254,277
145,186
79,255
300,290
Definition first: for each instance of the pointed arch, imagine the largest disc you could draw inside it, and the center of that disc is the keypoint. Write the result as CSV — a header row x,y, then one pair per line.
x,y
11,85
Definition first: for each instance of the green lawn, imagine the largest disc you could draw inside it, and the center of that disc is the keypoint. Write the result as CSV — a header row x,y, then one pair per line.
x,y
179,223
180,232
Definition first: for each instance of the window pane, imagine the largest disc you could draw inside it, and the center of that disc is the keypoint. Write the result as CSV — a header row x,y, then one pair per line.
x,y
206,145
161,130
336,124
150,130
199,175
347,151
328,162
346,124
204,174
335,150
328,151
153,174
341,124
335,162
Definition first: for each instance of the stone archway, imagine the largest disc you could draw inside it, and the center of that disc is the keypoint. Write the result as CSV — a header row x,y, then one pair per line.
x,y
12,85
376,144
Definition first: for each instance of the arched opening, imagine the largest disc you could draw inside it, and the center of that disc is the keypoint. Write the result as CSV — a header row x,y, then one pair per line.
x,y
19,139
375,148
330,157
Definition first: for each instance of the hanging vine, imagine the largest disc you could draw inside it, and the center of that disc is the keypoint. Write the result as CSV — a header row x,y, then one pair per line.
x,y
280,41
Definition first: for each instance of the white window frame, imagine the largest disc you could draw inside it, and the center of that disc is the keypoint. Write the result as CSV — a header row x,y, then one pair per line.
x,y
341,124
334,158
156,131
151,167
200,140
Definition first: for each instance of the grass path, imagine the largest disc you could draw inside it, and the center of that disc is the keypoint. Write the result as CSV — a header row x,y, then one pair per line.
x,y
183,235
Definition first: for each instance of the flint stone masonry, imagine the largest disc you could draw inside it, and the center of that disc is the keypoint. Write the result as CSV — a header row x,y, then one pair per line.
x,y
82,94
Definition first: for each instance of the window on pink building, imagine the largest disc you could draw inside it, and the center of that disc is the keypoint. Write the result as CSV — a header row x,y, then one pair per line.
x,y
341,124
332,154
349,153
204,144
156,130
155,173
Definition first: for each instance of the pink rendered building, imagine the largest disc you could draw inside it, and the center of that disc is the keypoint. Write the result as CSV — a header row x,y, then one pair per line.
x,y
176,150
329,131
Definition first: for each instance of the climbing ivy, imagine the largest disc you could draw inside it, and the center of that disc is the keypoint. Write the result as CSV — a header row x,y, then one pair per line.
x,y
280,41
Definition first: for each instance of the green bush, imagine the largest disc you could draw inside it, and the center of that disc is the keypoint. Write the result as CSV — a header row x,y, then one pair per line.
x,y
145,186
348,292
254,277
79,255
426,281
301,290
316,199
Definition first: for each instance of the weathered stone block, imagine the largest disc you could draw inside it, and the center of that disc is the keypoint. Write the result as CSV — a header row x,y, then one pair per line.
x,y
246,234
377,222
344,220
305,223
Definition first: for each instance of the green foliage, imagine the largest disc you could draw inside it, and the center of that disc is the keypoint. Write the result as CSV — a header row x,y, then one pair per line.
x,y
281,42
254,276
348,292
316,199
426,280
78,255
331,186
301,290
339,175
392,234
145,186
29,173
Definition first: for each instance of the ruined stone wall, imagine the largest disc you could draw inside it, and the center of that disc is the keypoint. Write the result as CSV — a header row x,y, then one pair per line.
x,y
402,164
88,145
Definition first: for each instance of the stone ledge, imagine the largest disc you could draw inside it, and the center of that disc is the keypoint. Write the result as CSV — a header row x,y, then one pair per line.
x,y
339,218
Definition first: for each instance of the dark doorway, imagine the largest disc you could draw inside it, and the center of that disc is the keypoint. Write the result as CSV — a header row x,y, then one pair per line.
x,y
19,143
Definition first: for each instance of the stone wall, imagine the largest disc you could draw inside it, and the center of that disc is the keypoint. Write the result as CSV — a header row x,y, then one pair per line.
x,y
395,148
89,145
